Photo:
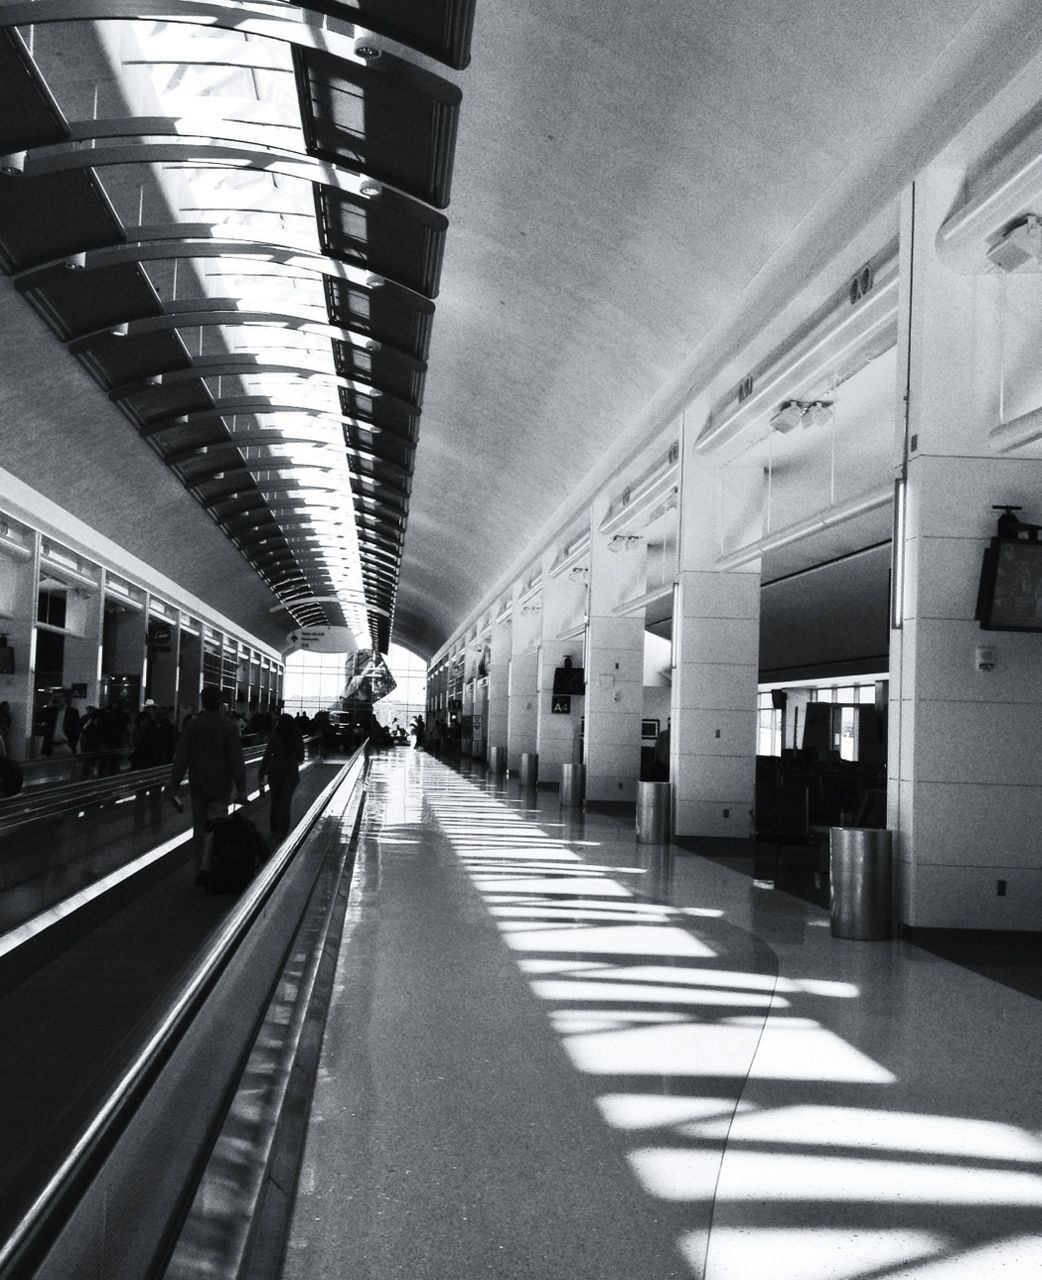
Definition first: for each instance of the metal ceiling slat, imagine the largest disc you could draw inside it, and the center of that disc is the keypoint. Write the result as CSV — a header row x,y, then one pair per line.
x,y
387,119
391,233
75,301
379,142
440,28
387,368
390,314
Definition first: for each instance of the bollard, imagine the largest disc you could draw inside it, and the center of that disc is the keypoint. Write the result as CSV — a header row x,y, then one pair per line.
x,y
860,870
529,768
497,760
573,785
653,816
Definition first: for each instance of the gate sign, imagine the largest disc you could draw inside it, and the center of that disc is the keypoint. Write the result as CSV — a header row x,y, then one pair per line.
x,y
322,639
561,705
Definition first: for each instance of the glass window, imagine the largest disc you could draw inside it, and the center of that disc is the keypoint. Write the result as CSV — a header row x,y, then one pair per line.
x,y
50,607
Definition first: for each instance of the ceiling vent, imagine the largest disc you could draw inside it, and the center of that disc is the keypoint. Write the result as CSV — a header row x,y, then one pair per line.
x,y
1020,249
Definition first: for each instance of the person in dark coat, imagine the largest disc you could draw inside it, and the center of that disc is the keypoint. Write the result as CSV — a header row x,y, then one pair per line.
x,y
71,725
210,751
280,766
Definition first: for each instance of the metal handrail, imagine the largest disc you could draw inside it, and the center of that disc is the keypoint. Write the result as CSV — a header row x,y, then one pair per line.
x,y
28,1242
56,802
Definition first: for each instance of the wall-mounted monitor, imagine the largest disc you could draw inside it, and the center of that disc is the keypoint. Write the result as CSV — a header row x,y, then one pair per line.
x,y
569,680
1009,597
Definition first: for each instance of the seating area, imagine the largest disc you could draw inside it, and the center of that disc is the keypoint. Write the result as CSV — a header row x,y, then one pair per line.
x,y
797,801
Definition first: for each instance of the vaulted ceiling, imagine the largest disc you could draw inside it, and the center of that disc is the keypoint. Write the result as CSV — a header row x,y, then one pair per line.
x,y
372,311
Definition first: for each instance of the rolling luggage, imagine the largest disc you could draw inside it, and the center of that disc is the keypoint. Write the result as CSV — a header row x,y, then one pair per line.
x,y
11,777
237,850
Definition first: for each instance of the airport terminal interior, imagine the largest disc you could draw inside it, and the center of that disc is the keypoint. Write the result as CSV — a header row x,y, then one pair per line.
x,y
589,454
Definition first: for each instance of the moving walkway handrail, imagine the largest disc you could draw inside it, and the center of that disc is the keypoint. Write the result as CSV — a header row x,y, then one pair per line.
x,y
28,1244
56,802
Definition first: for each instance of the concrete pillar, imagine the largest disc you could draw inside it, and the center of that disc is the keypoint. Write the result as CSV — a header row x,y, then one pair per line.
x,y
614,671
558,734
716,648
498,684
965,789
522,701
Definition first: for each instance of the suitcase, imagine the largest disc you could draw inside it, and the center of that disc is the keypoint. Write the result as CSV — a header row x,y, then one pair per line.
x,y
11,777
237,850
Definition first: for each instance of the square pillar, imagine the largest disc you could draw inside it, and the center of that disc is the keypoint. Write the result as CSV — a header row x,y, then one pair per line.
x,y
558,735
614,674
498,684
965,790
716,656
523,697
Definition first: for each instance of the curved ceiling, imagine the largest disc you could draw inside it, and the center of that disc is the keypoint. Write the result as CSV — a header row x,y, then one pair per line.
x,y
381,336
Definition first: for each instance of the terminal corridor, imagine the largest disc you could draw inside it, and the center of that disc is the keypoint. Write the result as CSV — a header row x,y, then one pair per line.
x,y
556,1052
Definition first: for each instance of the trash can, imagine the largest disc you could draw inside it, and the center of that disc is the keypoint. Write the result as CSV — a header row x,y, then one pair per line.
x,y
497,760
861,871
653,817
573,785
529,768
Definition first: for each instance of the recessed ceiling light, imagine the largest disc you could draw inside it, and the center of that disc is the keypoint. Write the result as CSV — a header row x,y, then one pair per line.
x,y
370,189
367,51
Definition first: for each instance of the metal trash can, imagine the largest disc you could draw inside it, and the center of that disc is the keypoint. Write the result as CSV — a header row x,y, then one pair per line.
x,y
573,785
653,816
529,768
861,875
497,760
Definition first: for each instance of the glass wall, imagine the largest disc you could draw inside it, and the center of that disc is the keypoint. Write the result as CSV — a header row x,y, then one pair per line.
x,y
316,681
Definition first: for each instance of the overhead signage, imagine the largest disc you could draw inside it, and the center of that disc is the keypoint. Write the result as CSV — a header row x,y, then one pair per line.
x,y
561,705
322,639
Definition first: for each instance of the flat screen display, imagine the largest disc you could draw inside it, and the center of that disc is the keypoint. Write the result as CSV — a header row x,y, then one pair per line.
x,y
1010,593
569,680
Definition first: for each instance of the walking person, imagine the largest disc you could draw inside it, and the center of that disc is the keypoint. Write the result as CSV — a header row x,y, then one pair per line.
x,y
280,765
210,751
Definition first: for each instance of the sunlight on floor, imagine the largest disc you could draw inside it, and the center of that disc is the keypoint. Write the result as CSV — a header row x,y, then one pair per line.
x,y
654,1002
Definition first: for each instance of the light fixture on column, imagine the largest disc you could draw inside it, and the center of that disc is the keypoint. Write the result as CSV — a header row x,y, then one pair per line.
x,y
12,165
578,573
1020,246
801,413
625,542
819,413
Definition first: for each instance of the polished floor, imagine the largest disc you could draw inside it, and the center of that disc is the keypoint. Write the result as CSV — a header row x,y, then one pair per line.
x,y
560,1055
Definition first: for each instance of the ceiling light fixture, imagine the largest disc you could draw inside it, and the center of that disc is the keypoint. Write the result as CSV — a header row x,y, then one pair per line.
x,y
13,164
625,542
801,413
370,189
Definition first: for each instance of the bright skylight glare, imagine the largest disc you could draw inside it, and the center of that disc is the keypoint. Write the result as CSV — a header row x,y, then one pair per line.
x,y
763,1176
652,1111
820,1253
635,993
883,1131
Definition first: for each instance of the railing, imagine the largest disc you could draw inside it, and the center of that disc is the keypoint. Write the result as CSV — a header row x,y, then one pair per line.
x,y
56,839
116,1201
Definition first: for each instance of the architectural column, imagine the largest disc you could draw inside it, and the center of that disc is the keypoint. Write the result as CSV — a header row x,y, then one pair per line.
x,y
558,732
522,707
716,653
965,788
498,684
614,670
